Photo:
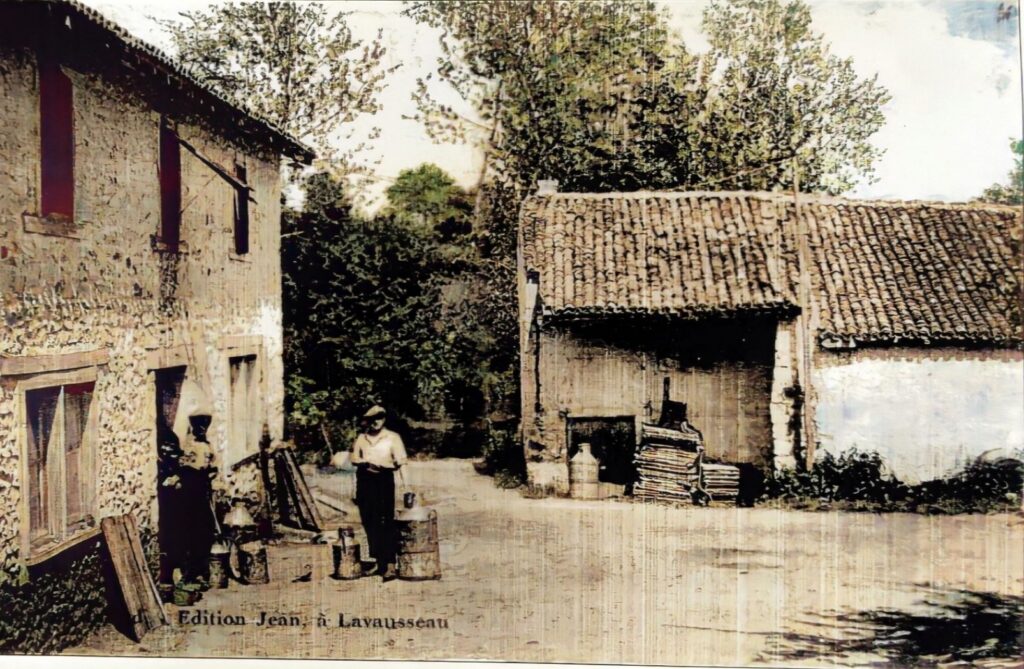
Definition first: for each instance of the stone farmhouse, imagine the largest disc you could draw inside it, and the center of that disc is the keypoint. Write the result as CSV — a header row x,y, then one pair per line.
x,y
139,248
906,323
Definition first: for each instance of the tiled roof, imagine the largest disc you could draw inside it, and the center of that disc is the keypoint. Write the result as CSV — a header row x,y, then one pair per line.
x,y
171,69
881,271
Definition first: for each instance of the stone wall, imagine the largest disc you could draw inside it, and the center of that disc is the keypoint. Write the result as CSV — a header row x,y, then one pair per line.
x,y
105,288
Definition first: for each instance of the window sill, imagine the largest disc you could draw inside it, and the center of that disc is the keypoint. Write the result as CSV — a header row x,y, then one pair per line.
x,y
240,257
160,246
53,225
56,549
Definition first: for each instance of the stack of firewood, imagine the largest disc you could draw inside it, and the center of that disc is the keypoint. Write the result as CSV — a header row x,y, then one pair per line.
x,y
722,482
665,473
670,467
667,463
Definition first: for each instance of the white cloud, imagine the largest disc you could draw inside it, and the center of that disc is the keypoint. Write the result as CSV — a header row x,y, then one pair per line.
x,y
955,101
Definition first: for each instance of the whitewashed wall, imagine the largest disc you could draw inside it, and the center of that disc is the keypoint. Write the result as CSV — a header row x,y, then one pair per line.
x,y
926,411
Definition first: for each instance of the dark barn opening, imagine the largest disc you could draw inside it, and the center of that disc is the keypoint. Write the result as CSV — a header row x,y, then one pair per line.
x,y
612,441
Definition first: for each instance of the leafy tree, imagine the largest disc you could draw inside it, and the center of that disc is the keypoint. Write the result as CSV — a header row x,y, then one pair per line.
x,y
540,80
770,91
599,96
535,76
362,305
427,198
1012,192
295,64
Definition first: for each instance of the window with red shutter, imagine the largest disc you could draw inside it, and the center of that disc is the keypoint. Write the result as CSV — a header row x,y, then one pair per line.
x,y
57,139
170,188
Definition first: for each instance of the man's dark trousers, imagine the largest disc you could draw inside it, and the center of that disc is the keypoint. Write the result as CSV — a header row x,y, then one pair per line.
x,y
375,496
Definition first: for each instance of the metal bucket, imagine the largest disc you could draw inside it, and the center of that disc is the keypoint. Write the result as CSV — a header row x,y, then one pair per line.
x,y
253,563
346,553
419,554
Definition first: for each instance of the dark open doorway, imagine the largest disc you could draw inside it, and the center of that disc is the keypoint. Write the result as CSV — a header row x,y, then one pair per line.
x,y
168,394
612,441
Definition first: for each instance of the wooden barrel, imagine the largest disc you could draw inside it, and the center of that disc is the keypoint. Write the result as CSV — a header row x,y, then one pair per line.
x,y
419,553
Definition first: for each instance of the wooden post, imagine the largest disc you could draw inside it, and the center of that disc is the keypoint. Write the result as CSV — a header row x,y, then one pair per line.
x,y
805,329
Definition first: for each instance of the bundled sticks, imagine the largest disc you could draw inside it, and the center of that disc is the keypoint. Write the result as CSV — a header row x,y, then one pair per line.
x,y
670,467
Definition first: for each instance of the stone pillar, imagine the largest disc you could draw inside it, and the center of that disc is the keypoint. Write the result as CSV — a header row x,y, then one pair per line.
x,y
781,409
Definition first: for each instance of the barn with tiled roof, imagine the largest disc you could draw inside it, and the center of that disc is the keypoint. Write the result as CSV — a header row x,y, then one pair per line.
x,y
620,292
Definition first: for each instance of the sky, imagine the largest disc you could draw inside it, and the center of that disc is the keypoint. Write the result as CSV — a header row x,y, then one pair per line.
x,y
952,69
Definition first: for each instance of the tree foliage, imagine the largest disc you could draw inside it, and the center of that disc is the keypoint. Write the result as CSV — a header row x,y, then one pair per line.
x,y
295,64
1012,192
540,79
600,96
362,314
427,198
767,95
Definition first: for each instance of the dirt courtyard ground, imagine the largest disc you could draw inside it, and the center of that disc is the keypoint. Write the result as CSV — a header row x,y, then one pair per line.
x,y
616,581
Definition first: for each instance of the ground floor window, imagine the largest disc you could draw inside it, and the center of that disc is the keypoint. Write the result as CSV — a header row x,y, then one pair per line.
x,y
246,408
59,462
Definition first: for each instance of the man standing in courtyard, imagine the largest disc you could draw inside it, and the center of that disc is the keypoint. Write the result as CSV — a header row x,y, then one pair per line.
x,y
377,453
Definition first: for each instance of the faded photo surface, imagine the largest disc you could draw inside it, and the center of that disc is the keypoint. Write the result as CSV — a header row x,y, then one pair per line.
x,y
640,332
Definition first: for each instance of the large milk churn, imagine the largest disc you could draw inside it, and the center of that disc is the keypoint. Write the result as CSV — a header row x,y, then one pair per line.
x,y
419,555
583,483
347,562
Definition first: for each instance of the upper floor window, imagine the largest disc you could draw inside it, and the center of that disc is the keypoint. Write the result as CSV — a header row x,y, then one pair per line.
x,y
170,188
57,138
241,212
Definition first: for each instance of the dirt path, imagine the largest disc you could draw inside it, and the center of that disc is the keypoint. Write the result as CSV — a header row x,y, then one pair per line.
x,y
563,580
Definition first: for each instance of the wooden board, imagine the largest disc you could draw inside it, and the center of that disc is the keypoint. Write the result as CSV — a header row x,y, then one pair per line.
x,y
309,506
288,509
295,502
138,592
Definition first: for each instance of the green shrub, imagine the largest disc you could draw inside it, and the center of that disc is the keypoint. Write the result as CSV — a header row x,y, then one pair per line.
x,y
858,481
980,488
853,476
503,457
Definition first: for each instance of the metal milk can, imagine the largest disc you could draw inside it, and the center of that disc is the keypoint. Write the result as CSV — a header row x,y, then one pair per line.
x,y
419,552
218,564
346,553
253,563
583,483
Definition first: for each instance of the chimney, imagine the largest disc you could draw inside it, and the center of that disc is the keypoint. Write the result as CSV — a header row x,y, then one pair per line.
x,y
547,186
